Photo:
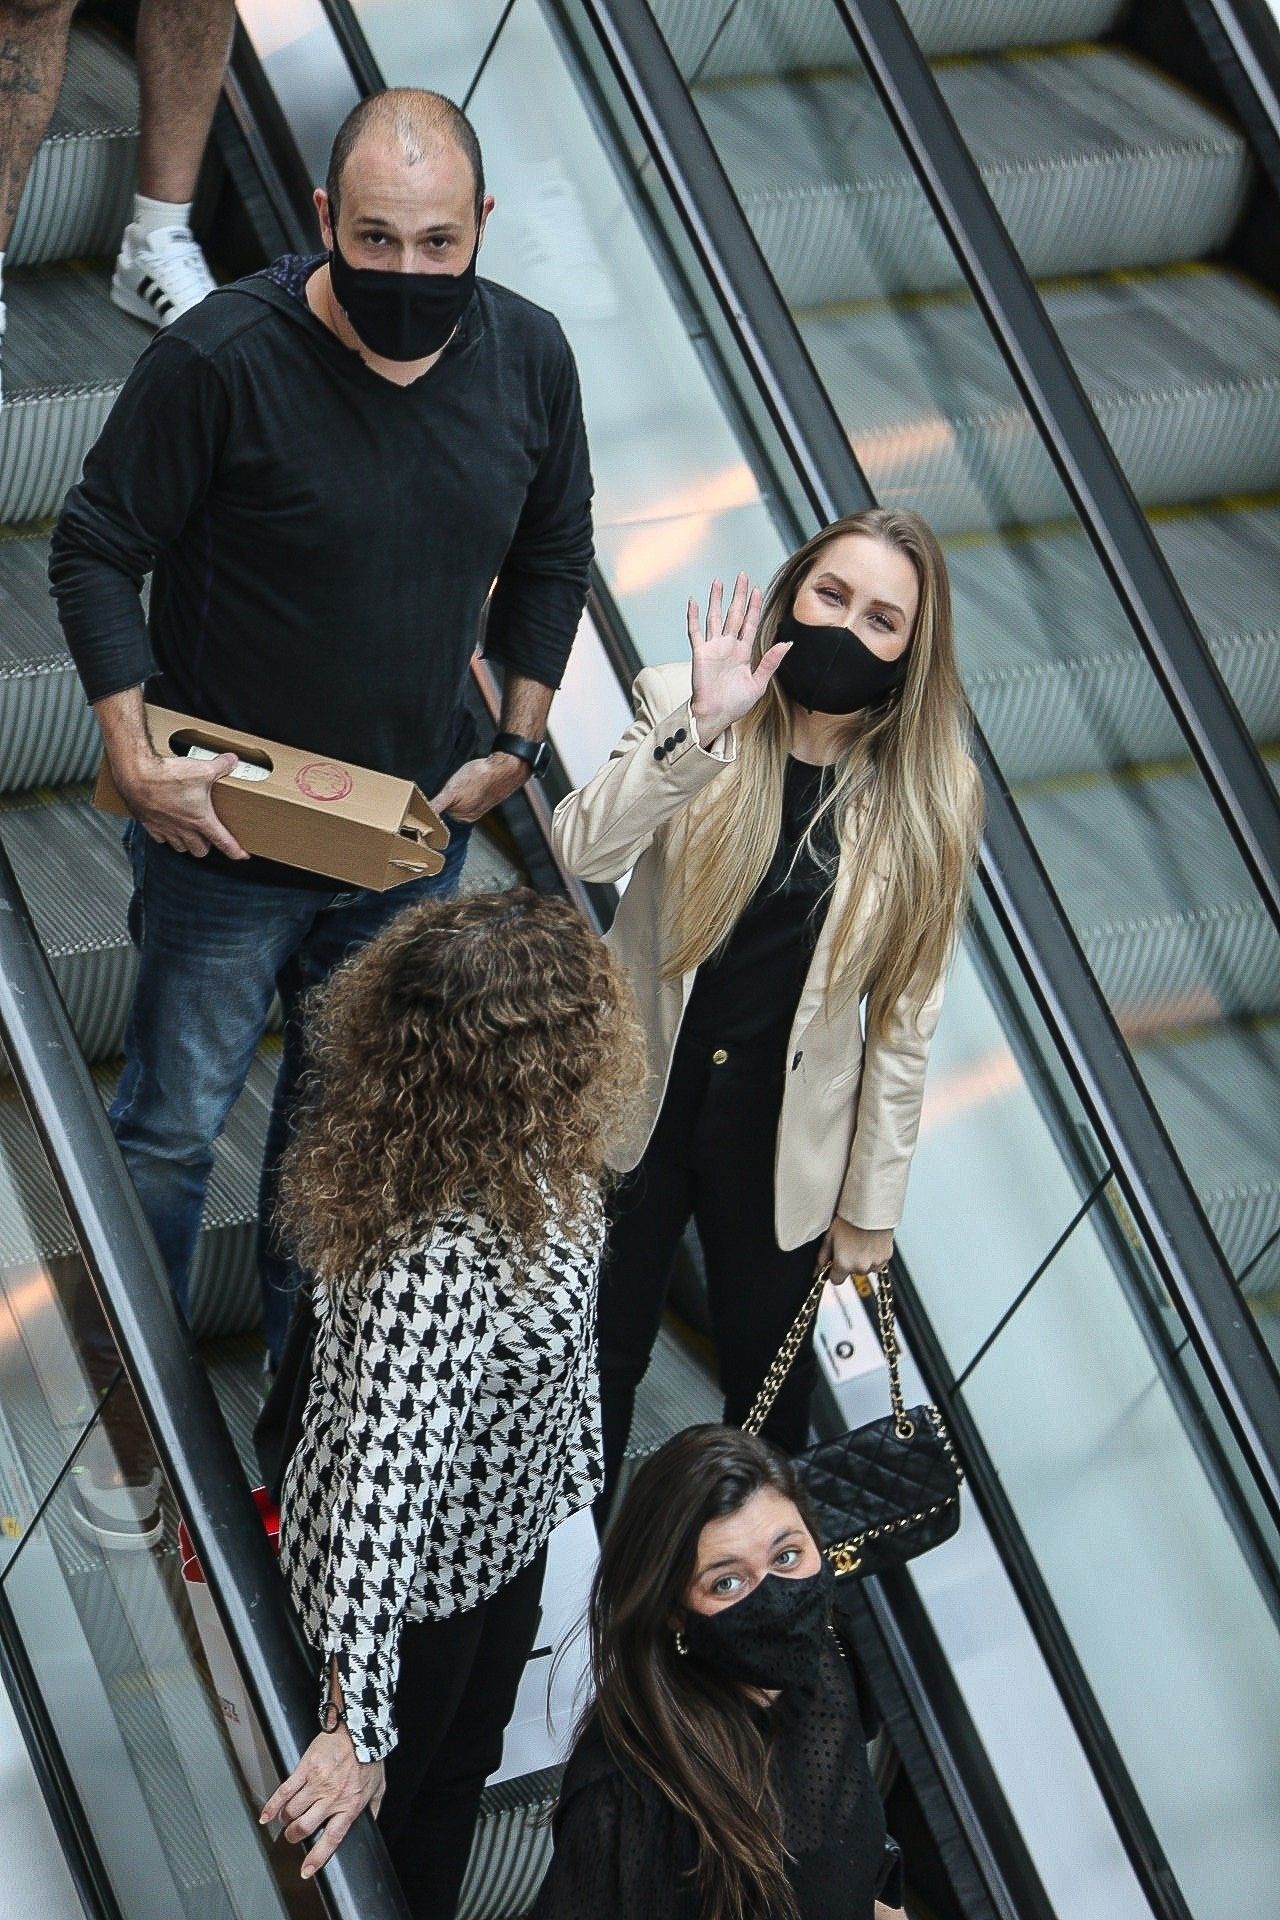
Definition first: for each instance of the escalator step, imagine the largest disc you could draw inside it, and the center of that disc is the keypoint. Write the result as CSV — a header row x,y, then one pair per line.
x,y
1159,899
1217,1094
74,874
79,190
771,36
67,352
1072,693
47,733
33,1225
1094,161
1183,368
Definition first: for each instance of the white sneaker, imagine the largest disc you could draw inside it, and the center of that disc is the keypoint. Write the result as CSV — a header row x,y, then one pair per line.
x,y
160,275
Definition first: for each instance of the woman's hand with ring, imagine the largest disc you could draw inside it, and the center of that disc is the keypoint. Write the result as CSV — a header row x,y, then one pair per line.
x,y
328,1788
848,1249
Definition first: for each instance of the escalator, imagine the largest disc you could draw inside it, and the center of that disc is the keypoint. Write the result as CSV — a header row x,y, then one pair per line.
x,y
1052,1680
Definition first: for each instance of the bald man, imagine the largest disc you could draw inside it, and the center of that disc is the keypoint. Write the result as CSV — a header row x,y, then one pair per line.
x,y
325,468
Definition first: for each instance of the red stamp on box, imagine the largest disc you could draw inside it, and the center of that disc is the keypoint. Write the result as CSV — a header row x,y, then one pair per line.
x,y
323,780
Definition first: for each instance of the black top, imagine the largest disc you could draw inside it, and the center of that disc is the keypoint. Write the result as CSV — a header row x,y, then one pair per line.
x,y
623,1852
322,540
747,994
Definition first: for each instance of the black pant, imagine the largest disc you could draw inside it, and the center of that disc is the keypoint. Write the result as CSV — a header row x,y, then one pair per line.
x,y
455,1694
711,1159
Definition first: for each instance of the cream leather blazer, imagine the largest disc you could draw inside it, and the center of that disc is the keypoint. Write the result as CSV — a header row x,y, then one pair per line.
x,y
850,1111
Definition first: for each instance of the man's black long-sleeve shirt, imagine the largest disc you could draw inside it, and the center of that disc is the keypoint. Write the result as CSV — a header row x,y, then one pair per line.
x,y
322,541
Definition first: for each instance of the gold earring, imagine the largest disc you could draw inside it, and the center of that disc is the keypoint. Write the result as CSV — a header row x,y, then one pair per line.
x,y
682,1645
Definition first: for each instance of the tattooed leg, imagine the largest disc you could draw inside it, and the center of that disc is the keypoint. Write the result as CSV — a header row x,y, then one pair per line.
x,y
33,53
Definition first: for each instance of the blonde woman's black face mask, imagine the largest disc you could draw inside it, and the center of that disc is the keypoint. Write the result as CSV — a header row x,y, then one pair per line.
x,y
829,670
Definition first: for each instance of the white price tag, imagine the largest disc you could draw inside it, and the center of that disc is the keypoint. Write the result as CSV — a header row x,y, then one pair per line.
x,y
845,1337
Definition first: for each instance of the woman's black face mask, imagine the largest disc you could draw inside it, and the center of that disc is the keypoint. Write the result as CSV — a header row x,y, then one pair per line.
x,y
401,316
774,1637
829,670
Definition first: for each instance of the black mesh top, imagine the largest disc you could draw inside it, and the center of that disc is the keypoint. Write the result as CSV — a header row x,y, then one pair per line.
x,y
623,1852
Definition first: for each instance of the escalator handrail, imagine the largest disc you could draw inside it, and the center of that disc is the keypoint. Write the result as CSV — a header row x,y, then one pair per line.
x,y
173,1391
1242,38
1178,1237
1072,434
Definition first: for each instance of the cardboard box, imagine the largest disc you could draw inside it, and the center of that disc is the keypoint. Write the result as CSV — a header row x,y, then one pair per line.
x,y
363,828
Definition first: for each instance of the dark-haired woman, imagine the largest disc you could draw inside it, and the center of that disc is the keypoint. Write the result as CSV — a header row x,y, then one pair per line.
x,y
799,814
443,1184
720,1772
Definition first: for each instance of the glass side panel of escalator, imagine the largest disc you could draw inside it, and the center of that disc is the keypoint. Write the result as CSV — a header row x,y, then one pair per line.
x,y
93,1584
1060,1343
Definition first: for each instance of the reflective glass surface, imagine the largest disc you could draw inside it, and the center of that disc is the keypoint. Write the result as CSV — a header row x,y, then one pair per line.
x,y
137,1682
1067,1356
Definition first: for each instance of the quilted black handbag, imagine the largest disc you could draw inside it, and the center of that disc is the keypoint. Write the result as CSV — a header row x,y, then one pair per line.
x,y
884,1492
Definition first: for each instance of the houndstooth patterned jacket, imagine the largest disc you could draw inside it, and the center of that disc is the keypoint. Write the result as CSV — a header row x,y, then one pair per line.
x,y
453,1422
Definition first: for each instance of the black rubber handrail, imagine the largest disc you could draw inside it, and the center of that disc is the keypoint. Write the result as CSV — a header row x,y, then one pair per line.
x,y
160,1358
1072,435
1242,39
1200,1283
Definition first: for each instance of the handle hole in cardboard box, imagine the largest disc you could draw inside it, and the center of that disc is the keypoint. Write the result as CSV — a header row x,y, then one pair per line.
x,y
253,764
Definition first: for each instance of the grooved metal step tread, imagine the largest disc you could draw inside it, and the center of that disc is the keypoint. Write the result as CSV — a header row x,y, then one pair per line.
x,y
1094,161
67,353
1159,899
1219,1095
1057,679
78,193
774,36
63,334
73,871
1192,410
47,731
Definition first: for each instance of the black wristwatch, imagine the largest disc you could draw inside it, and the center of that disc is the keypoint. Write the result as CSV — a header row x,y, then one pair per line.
x,y
536,754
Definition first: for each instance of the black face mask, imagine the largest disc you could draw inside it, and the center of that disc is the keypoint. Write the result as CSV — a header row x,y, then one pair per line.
x,y
402,316
774,1637
829,670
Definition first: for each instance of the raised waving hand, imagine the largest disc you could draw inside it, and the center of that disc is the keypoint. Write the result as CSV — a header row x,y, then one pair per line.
x,y
725,683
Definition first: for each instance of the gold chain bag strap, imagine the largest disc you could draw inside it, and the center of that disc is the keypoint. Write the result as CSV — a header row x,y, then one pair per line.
x,y
882,1493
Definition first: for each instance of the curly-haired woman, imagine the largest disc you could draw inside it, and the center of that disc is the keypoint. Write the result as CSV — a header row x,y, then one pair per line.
x,y
443,1186
720,1773
799,810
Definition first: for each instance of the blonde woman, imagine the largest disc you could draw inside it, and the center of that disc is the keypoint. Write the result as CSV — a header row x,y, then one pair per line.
x,y
798,811
443,1184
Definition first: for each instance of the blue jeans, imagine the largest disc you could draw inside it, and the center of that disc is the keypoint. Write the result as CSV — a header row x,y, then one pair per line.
x,y
212,950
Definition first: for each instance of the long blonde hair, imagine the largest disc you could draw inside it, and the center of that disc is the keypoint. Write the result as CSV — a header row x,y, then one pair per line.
x,y
907,771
